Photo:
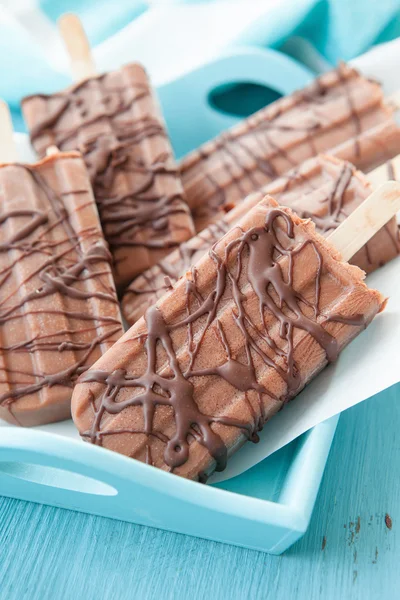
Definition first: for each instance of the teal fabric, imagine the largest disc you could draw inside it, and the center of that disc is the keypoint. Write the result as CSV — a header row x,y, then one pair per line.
x,y
337,29
100,18
343,29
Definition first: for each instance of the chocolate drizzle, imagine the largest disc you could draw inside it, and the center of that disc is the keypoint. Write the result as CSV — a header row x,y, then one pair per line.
x,y
323,189
47,258
276,139
256,268
125,216
391,173
154,282
113,120
333,202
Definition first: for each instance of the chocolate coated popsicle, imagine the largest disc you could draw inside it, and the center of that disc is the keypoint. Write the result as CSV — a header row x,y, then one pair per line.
x,y
239,336
324,189
115,121
58,306
341,113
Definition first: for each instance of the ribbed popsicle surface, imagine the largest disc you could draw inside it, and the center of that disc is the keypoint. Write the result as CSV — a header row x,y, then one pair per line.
x,y
115,121
341,112
237,337
324,189
58,307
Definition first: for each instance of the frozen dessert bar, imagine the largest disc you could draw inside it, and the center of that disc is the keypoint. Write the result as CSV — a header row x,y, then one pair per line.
x,y
115,121
58,305
324,189
341,113
238,337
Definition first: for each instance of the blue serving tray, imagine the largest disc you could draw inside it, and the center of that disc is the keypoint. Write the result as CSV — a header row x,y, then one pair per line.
x,y
267,508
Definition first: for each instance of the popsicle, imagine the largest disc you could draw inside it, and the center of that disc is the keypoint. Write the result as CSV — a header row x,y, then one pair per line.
x,y
239,336
342,113
58,307
324,188
115,121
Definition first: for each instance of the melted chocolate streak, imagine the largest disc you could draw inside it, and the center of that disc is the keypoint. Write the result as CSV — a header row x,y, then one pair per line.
x,y
169,271
138,218
265,148
325,223
265,276
334,201
58,274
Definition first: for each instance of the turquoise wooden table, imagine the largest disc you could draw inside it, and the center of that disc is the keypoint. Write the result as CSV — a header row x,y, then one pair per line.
x,y
351,550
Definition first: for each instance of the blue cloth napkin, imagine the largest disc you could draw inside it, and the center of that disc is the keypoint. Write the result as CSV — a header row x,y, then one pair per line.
x,y
343,29
100,18
336,29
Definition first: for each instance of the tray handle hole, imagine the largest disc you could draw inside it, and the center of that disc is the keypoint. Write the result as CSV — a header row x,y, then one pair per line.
x,y
57,478
241,99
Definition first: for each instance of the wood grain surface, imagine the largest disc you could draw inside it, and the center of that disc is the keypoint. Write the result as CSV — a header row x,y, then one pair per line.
x,y
351,550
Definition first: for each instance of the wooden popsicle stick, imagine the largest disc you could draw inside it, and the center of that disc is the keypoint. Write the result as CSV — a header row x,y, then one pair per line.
x,y
8,150
78,47
389,170
394,99
51,150
367,219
